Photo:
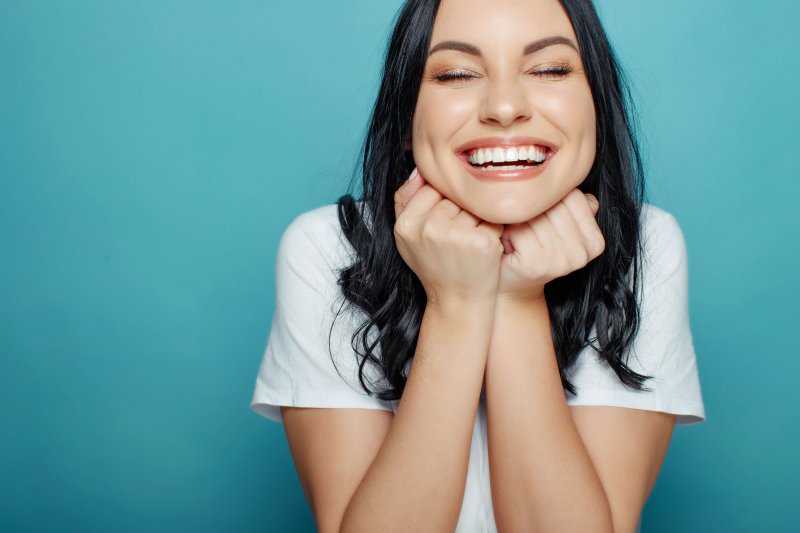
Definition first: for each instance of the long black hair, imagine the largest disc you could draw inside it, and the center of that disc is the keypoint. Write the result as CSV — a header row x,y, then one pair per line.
x,y
601,294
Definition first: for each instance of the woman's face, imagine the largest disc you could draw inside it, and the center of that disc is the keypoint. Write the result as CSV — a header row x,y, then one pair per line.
x,y
504,98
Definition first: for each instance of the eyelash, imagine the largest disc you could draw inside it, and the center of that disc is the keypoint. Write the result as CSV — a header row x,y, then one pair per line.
x,y
558,71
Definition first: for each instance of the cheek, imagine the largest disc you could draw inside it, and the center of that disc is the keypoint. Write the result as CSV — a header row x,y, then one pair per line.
x,y
571,110
438,117
588,136
420,127
439,114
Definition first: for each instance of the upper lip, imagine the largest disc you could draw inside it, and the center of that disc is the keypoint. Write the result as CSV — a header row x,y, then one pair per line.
x,y
504,142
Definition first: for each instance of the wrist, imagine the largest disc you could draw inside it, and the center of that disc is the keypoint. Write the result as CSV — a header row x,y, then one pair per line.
x,y
528,297
462,305
519,304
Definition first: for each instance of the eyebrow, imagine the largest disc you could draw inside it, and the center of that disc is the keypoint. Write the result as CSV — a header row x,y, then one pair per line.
x,y
535,46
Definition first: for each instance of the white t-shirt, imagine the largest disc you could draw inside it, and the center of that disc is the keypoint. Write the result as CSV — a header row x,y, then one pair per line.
x,y
297,369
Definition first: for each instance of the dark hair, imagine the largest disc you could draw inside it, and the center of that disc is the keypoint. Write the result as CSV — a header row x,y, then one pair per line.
x,y
602,294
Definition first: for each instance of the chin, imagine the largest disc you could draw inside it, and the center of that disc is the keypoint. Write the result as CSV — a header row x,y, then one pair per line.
x,y
511,213
507,211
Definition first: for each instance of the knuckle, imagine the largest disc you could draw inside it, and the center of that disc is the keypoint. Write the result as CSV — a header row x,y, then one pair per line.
x,y
429,230
600,245
580,257
485,243
539,269
561,265
402,227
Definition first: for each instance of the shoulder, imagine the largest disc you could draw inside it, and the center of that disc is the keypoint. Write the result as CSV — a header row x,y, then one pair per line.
x,y
662,348
658,226
662,242
314,240
315,225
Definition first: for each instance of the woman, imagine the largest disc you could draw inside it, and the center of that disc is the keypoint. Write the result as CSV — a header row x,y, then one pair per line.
x,y
505,335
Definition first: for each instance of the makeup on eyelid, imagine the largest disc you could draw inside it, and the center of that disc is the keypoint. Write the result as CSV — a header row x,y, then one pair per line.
x,y
460,73
504,123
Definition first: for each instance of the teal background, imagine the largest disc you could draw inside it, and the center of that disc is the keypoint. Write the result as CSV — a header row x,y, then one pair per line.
x,y
151,153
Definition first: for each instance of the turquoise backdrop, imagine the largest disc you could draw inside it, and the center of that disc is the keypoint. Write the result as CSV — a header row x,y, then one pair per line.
x,y
151,154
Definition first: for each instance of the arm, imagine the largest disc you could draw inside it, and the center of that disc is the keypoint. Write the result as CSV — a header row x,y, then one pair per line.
x,y
409,474
554,467
416,482
362,467
541,474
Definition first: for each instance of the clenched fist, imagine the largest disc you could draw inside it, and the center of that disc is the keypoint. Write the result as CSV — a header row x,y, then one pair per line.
x,y
553,244
455,254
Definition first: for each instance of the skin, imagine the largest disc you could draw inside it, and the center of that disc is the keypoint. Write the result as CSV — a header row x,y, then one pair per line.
x,y
484,252
548,226
507,94
469,240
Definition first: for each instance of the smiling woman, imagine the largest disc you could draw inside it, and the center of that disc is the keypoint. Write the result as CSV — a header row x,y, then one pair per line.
x,y
500,342
508,85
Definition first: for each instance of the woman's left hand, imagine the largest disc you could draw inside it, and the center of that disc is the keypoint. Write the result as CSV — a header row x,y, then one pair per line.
x,y
561,240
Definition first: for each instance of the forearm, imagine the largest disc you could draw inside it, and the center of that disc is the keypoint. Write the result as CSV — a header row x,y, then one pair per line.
x,y
542,478
416,482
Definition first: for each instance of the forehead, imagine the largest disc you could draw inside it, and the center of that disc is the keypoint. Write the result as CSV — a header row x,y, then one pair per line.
x,y
500,22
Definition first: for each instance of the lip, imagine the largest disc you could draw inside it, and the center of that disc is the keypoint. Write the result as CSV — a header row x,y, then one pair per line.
x,y
506,175
506,142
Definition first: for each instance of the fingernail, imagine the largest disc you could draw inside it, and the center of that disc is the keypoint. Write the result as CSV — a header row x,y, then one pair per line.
x,y
414,174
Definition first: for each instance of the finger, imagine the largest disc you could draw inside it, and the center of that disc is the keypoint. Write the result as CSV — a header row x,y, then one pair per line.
x,y
544,231
594,203
423,201
446,208
564,224
407,190
521,237
493,227
424,198
580,205
467,218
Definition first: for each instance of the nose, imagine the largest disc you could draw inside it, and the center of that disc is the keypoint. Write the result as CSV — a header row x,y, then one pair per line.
x,y
505,102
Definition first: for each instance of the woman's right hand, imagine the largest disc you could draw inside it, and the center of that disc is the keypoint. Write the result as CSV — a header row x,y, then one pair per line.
x,y
455,255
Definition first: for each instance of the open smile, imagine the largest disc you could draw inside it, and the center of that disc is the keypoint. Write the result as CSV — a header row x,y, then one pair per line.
x,y
506,159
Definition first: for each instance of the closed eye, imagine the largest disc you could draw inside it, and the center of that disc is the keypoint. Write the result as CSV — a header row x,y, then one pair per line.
x,y
453,75
553,71
549,72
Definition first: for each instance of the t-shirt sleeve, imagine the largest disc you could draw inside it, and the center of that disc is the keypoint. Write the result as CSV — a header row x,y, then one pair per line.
x,y
663,347
297,368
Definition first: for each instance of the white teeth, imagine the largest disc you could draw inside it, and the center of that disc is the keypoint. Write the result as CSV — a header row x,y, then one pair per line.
x,y
505,167
501,155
